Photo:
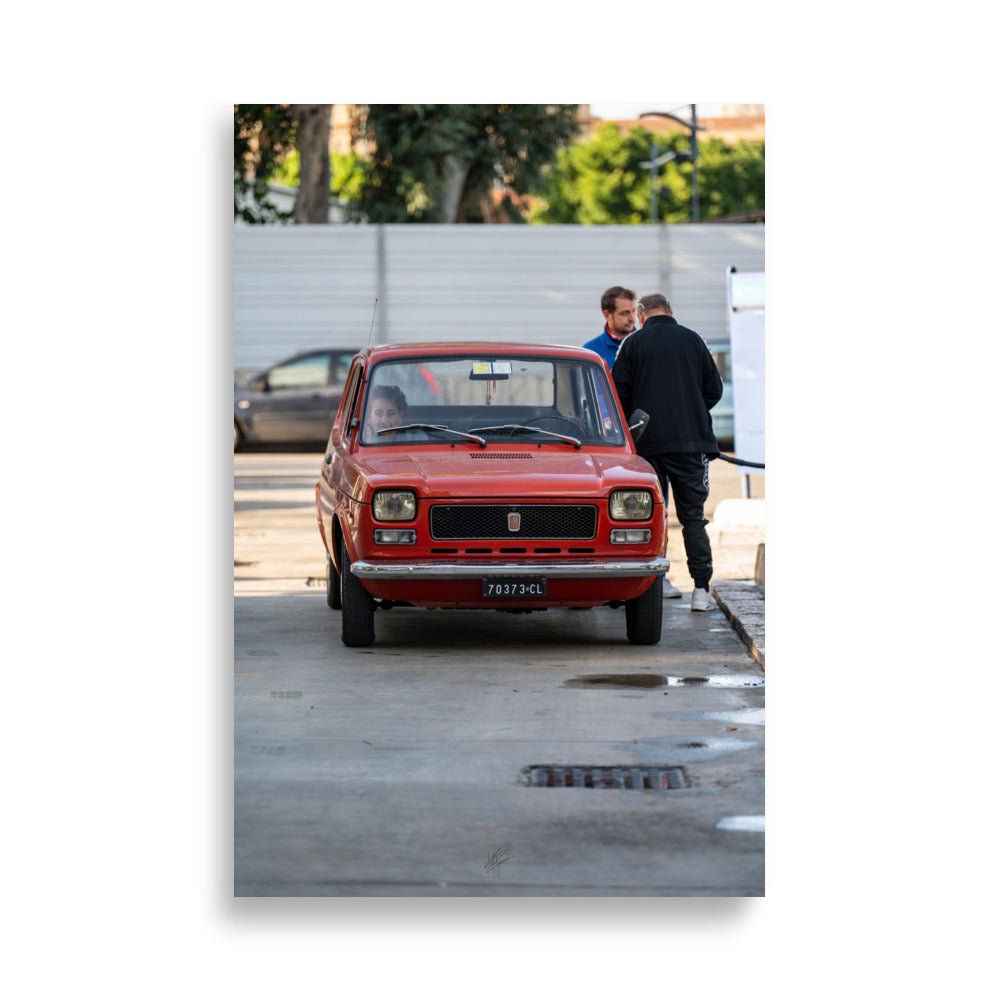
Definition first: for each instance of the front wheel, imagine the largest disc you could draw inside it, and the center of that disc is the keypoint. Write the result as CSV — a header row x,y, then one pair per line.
x,y
358,615
332,585
644,615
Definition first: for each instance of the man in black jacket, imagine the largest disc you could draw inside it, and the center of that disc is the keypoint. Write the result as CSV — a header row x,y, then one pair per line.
x,y
667,370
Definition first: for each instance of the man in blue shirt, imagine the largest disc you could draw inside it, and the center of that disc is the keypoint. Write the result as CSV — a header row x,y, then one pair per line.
x,y
618,306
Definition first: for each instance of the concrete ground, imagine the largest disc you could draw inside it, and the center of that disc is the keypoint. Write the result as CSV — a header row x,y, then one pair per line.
x,y
403,768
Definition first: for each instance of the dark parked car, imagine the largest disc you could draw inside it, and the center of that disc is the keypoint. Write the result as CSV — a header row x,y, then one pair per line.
x,y
294,401
488,475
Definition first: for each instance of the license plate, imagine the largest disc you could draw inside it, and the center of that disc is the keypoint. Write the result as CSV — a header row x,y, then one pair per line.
x,y
508,587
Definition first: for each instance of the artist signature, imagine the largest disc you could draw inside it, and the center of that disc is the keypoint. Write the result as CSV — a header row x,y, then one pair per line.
x,y
495,860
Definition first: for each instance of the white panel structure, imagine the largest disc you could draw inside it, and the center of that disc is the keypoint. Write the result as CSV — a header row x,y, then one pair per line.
x,y
524,283
746,331
699,258
297,287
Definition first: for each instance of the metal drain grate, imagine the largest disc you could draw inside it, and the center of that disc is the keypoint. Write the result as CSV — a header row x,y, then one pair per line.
x,y
643,778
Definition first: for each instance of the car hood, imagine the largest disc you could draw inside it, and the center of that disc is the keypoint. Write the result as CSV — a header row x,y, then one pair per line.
x,y
498,471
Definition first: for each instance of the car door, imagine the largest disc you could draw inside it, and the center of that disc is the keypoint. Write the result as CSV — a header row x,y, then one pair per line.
x,y
296,400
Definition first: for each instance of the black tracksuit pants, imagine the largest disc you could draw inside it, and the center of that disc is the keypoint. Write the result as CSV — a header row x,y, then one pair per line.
x,y
687,473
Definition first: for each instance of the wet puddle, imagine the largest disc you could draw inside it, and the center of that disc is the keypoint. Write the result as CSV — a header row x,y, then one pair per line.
x,y
717,681
740,716
617,681
743,824
659,681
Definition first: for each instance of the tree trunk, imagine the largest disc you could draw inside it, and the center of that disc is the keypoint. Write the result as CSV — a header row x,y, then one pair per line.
x,y
453,177
312,204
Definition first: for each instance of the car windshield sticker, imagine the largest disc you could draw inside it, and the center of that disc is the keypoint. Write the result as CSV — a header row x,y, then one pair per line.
x,y
490,369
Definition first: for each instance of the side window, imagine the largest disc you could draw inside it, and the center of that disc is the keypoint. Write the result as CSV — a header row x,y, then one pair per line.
x,y
310,372
349,400
600,406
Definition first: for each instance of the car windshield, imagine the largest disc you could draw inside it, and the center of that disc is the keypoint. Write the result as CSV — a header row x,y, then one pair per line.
x,y
559,401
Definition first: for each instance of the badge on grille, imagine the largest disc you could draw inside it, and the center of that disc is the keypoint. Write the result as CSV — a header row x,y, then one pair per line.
x,y
513,522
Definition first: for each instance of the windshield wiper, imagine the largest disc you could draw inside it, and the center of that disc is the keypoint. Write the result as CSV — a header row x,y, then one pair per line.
x,y
515,428
433,427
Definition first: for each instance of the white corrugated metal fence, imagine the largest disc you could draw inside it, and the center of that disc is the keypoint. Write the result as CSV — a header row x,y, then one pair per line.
x,y
298,287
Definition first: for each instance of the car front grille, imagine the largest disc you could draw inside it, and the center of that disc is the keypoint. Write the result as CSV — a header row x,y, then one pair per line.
x,y
458,521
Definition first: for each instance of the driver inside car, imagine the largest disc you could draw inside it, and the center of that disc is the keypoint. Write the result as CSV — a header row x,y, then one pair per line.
x,y
387,409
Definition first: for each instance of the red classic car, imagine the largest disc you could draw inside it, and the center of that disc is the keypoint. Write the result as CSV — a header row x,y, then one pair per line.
x,y
488,475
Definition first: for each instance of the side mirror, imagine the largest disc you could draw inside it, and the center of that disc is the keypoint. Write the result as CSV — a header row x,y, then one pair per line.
x,y
637,423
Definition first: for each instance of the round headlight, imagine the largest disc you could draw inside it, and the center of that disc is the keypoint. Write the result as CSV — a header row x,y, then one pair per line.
x,y
631,505
394,505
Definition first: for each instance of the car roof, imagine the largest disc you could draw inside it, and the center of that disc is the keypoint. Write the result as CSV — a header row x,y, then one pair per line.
x,y
445,347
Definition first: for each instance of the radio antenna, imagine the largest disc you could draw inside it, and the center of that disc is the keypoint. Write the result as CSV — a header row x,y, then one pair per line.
x,y
373,321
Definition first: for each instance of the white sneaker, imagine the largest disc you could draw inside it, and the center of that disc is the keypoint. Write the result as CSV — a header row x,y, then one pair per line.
x,y
669,590
701,600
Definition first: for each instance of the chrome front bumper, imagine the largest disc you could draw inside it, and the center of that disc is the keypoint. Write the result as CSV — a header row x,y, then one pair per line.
x,y
368,570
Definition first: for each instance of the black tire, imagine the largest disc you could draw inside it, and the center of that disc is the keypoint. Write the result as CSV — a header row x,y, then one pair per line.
x,y
237,437
357,616
644,615
332,585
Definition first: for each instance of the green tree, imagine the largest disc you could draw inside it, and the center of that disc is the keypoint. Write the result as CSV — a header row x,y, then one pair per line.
x,y
599,182
440,162
730,177
347,174
602,182
263,134
284,143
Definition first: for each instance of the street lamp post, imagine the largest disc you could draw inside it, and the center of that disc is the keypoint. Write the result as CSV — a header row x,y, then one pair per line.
x,y
654,187
694,128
